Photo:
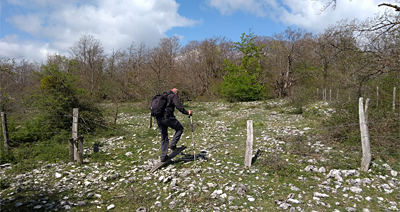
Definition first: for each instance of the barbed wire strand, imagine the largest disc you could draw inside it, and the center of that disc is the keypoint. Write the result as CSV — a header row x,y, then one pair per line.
x,y
36,114
102,125
39,122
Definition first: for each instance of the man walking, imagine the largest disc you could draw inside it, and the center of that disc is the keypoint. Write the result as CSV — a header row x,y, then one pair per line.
x,y
169,120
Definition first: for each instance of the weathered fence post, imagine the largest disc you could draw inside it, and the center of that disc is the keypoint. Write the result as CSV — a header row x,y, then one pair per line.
x,y
377,96
249,144
5,130
366,146
330,95
71,150
75,132
337,95
80,151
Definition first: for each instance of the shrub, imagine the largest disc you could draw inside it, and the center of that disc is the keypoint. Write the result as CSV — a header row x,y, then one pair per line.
x,y
241,83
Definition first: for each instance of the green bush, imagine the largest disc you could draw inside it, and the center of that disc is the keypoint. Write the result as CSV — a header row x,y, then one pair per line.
x,y
6,156
241,86
241,83
53,105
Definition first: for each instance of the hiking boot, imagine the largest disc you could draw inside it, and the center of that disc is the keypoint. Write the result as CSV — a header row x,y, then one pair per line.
x,y
173,148
164,158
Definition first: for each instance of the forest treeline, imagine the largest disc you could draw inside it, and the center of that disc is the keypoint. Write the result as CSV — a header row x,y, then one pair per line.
x,y
348,56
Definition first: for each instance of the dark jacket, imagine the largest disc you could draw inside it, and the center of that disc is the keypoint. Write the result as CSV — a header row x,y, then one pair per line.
x,y
172,102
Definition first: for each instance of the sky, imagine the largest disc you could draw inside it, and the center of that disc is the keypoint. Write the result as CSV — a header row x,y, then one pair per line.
x,y
32,29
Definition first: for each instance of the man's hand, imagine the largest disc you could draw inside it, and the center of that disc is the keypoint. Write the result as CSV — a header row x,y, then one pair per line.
x,y
190,112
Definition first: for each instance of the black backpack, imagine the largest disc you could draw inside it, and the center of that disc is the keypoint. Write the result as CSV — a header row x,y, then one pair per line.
x,y
158,104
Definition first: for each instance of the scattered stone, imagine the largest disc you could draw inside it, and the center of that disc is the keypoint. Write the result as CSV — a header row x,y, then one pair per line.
x,y
356,190
230,199
37,207
241,190
185,173
173,204
81,203
320,195
293,201
142,209
311,168
185,209
158,204
351,209
284,206
112,206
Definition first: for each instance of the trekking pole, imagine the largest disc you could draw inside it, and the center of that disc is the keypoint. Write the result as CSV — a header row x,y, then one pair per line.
x,y
151,121
191,125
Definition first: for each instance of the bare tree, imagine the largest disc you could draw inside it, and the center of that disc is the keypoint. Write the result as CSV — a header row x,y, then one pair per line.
x,y
396,7
15,78
333,3
90,55
162,63
137,71
283,54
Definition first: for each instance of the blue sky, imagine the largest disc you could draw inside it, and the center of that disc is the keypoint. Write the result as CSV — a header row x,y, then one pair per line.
x,y
32,29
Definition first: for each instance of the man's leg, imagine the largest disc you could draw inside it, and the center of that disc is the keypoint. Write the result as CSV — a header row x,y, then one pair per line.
x,y
177,126
164,138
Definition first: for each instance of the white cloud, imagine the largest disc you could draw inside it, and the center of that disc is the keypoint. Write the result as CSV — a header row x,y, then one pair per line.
x,y
11,46
301,13
115,23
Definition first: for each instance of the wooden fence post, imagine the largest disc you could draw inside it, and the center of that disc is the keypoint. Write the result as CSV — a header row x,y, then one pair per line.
x,y
71,150
249,144
5,130
366,146
377,96
75,132
80,151
337,95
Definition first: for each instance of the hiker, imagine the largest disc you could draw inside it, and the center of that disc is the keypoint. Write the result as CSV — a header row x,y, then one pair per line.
x,y
169,120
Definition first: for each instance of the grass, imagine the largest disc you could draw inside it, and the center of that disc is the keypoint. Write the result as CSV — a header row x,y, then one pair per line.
x,y
220,129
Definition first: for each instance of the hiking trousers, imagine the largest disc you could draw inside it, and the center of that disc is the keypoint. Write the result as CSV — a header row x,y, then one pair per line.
x,y
163,124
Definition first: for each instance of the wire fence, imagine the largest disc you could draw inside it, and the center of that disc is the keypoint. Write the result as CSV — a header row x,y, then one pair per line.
x,y
376,136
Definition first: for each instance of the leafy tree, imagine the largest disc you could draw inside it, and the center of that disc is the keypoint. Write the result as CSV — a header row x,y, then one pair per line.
x,y
54,100
241,81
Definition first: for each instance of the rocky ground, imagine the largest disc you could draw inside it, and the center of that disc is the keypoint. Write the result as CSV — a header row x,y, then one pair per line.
x,y
288,174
